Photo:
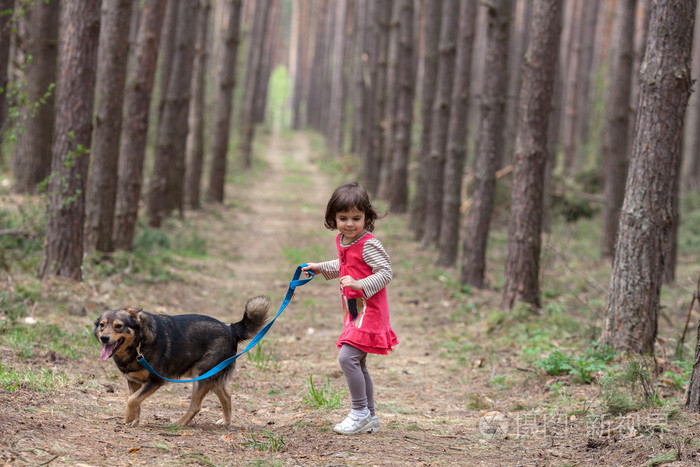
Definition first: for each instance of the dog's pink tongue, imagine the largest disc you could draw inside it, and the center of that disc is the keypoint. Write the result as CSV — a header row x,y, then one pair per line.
x,y
106,351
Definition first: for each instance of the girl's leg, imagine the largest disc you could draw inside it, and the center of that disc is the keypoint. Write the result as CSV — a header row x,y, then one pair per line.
x,y
369,387
351,362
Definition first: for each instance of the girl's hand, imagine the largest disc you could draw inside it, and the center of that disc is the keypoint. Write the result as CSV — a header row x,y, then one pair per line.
x,y
313,267
348,281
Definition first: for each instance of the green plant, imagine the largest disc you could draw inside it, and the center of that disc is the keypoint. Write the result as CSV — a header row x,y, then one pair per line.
x,y
261,357
555,364
41,380
626,390
323,396
268,442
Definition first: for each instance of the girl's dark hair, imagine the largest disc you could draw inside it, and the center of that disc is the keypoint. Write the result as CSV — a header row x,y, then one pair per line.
x,y
346,197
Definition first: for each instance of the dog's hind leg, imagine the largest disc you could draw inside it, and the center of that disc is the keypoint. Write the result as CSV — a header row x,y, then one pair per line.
x,y
133,405
199,390
225,399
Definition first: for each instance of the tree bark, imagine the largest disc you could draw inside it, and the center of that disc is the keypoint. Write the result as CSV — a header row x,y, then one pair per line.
x,y
32,154
431,53
223,103
527,193
489,148
336,113
166,191
398,178
112,58
440,123
75,93
615,151
631,314
195,138
5,41
457,139
137,100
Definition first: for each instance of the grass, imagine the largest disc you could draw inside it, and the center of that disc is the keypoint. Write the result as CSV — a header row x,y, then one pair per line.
x,y
323,396
266,441
263,357
40,380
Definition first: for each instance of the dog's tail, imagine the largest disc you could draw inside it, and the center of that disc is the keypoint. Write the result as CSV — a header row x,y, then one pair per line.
x,y
254,318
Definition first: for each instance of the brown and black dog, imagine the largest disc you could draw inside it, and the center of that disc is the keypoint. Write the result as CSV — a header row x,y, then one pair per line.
x,y
177,347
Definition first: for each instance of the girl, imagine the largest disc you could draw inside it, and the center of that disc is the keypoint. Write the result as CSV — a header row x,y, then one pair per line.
x,y
364,270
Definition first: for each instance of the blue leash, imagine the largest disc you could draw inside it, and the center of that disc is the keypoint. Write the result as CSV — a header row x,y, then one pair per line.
x,y
296,282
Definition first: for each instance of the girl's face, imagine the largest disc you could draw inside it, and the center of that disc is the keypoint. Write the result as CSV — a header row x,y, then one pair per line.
x,y
351,224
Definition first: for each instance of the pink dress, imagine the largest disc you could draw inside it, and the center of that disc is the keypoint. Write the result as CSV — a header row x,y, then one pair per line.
x,y
365,312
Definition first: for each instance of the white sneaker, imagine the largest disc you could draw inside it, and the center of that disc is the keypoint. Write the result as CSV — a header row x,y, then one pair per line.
x,y
355,424
375,424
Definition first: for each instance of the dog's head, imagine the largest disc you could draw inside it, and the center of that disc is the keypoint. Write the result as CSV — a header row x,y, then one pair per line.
x,y
117,330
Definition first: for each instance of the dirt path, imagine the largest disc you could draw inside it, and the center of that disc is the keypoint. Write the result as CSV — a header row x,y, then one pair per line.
x,y
431,392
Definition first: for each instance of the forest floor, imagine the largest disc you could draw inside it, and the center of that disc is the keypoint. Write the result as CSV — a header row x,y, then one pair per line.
x,y
459,389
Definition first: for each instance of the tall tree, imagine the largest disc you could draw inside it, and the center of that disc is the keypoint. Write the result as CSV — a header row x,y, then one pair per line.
x,y
137,100
440,122
75,93
254,44
6,18
112,57
489,147
617,120
398,178
571,88
360,76
195,138
337,80
527,192
631,314
32,154
166,192
457,138
431,52
691,147
223,102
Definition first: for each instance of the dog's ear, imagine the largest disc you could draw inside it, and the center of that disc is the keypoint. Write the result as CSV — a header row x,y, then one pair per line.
x,y
134,312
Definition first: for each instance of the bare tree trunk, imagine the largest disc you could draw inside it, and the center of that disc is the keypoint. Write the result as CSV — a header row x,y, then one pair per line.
x,y
361,84
527,193
195,138
691,149
75,93
440,122
112,58
571,90
32,154
398,178
223,103
431,53
457,138
252,83
615,151
166,191
489,151
137,103
392,93
5,41
631,314
336,113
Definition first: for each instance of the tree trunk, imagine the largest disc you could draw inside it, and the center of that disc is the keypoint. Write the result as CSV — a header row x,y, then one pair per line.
x,y
489,148
166,192
615,152
75,92
137,100
440,122
252,83
195,138
431,53
167,52
360,78
32,154
112,58
457,138
527,193
335,124
398,193
631,314
5,41
572,84
223,103
691,148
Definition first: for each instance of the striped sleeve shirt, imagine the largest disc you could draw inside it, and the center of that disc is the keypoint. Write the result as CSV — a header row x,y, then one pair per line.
x,y
376,257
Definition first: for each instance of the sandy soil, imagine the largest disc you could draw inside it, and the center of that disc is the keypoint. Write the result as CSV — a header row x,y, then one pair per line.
x,y
436,397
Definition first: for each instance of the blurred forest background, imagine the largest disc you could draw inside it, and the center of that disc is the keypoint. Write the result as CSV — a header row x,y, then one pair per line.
x,y
124,113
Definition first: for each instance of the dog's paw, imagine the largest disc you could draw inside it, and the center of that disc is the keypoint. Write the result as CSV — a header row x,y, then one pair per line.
x,y
223,422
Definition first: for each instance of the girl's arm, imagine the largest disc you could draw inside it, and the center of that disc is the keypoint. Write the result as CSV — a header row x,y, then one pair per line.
x,y
329,269
377,258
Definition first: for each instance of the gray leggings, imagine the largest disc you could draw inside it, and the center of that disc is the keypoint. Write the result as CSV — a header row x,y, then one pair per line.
x,y
353,363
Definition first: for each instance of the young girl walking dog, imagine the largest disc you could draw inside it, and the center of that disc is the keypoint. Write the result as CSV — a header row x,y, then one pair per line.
x,y
364,270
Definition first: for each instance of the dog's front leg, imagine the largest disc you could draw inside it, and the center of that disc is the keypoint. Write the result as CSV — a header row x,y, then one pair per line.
x,y
133,404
